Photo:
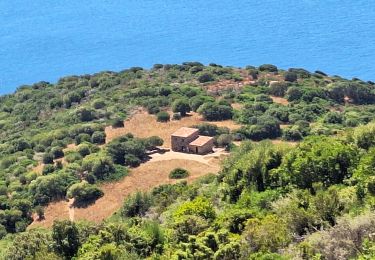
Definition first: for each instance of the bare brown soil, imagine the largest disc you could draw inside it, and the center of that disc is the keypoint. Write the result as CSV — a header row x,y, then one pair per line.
x,y
143,125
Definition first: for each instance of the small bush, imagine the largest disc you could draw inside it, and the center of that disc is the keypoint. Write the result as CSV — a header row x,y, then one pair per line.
x,y
176,116
47,158
98,137
39,210
268,67
83,150
178,173
72,157
82,138
57,152
205,77
118,122
163,116
292,134
290,76
48,168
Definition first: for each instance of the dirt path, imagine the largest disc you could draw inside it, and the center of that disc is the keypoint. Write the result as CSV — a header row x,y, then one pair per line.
x,y
71,209
145,177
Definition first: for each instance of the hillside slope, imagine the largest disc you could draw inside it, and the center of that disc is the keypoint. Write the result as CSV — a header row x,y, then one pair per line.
x,y
68,141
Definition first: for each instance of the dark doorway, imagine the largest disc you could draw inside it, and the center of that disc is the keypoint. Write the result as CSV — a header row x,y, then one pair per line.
x,y
196,150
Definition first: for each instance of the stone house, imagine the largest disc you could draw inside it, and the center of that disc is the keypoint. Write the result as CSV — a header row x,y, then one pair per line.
x,y
188,140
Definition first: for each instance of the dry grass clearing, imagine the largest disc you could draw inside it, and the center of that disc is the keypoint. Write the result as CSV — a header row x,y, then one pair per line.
x,y
39,168
237,106
278,141
280,100
143,125
145,177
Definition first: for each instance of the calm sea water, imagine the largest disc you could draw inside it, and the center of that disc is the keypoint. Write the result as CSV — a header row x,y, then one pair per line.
x,y
45,39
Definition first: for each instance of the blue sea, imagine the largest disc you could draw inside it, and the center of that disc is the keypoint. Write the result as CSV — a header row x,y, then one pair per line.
x,y
45,39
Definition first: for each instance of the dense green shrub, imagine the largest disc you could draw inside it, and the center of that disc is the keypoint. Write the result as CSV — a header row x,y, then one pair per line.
x,y
83,137
176,116
264,127
84,193
178,173
163,116
268,67
118,122
278,89
215,112
136,205
292,134
319,159
48,188
153,142
83,150
48,158
48,168
290,76
57,152
98,137
205,77
293,94
333,118
100,166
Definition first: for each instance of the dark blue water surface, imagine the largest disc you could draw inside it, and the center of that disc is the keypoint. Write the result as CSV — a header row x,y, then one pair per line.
x,y
45,39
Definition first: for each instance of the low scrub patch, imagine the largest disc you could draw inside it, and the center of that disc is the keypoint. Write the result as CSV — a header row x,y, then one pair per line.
x,y
179,173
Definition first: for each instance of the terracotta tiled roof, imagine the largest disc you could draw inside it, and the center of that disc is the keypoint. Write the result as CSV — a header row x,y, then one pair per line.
x,y
201,140
185,132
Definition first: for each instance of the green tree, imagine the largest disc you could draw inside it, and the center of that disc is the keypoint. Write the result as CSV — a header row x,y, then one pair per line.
x,y
65,237
57,152
293,93
181,106
47,158
319,159
213,111
266,235
98,137
100,166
